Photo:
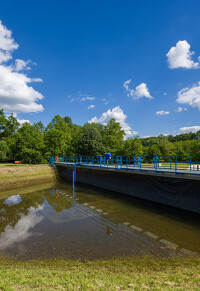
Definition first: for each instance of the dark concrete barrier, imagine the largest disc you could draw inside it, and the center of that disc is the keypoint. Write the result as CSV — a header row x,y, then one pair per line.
x,y
174,191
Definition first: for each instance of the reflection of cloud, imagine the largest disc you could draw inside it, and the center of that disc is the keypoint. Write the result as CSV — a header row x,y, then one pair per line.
x,y
15,199
21,231
65,216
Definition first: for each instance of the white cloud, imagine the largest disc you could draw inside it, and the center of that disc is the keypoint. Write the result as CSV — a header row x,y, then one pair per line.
x,y
165,93
4,57
22,121
105,101
7,44
190,96
162,112
134,133
188,129
180,56
88,98
91,106
137,93
72,100
21,65
179,109
15,93
119,116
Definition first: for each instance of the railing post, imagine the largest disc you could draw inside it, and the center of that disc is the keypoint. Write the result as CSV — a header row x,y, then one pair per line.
x,y
191,163
156,163
175,164
170,162
140,162
75,173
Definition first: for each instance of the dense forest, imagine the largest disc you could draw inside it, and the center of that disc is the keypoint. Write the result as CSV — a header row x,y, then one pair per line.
x,y
35,143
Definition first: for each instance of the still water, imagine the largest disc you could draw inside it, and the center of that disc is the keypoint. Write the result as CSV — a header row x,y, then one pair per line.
x,y
89,223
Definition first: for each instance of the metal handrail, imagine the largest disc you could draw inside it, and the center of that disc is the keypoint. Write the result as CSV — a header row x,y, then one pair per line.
x,y
157,163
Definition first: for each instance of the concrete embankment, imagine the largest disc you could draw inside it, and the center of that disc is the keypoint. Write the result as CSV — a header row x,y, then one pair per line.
x,y
176,191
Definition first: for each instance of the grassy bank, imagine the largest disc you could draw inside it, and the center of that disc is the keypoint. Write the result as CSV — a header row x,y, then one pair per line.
x,y
126,274
18,176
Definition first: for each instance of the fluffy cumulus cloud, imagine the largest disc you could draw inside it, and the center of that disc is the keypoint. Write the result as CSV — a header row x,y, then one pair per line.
x,y
180,56
162,112
118,114
137,93
16,94
188,129
7,44
190,96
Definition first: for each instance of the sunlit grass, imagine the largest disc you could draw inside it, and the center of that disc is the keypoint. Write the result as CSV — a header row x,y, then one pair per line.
x,y
125,274
12,175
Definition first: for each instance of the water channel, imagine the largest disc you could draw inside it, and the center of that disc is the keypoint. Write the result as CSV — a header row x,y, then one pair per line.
x,y
89,223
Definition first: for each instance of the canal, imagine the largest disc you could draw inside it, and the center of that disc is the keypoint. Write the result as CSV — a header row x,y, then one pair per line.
x,y
89,223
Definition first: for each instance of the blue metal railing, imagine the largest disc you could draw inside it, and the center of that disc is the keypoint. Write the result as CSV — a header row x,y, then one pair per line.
x,y
158,163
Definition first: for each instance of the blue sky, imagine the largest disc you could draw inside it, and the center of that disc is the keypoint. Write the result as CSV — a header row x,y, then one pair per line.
x,y
136,61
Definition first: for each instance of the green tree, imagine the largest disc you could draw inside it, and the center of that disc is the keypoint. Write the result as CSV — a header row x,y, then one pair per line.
x,y
28,144
166,147
68,121
133,147
4,150
76,134
113,137
90,143
3,123
57,131
56,143
8,125
154,150
40,126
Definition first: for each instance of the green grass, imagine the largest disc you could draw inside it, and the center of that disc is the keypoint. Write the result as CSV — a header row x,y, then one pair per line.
x,y
125,274
18,176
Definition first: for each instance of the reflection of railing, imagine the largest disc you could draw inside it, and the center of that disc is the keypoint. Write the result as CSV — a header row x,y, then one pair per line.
x,y
159,163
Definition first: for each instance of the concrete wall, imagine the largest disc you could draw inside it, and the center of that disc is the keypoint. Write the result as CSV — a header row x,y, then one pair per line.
x,y
172,191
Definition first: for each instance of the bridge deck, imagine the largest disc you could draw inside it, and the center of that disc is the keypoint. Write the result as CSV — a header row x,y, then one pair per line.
x,y
186,172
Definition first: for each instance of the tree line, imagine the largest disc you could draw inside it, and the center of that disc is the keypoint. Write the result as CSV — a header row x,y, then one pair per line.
x,y
35,143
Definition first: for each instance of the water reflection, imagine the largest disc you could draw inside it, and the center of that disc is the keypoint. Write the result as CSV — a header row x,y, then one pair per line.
x,y
87,223
15,199
22,229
